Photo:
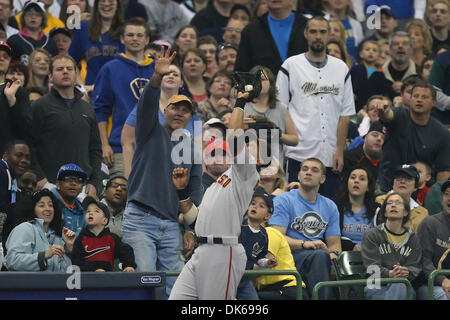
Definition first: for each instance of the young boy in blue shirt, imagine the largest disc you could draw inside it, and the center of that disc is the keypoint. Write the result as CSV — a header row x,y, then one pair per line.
x,y
255,240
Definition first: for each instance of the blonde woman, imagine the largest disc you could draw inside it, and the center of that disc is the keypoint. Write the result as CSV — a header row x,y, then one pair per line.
x,y
38,69
337,33
422,41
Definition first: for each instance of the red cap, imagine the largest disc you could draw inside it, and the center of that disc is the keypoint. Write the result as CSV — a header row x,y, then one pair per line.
x,y
5,46
217,144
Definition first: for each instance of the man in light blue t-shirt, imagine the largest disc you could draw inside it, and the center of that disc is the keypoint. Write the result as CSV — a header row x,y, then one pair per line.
x,y
310,224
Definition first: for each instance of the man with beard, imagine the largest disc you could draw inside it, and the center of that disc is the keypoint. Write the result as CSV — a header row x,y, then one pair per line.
x,y
215,162
214,156
226,56
414,135
318,89
400,65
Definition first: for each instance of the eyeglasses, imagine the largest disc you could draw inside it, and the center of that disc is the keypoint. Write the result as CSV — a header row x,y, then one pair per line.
x,y
233,30
117,185
225,81
73,179
397,203
32,14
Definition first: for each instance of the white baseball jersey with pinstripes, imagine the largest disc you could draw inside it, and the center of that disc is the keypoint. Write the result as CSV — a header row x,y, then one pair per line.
x,y
317,98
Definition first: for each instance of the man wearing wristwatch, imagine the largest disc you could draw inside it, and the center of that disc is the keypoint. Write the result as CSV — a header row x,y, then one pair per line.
x,y
310,224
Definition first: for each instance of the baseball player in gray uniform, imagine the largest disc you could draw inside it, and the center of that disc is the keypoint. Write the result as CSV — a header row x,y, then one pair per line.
x,y
218,264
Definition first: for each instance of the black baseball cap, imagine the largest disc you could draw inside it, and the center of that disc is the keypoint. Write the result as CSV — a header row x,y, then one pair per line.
x,y
64,31
71,169
89,200
386,10
260,192
377,126
409,170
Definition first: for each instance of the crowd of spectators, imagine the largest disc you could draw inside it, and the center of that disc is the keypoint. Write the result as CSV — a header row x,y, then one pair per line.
x,y
90,135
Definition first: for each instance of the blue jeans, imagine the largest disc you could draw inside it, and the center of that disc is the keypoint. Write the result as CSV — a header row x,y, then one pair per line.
x,y
246,290
314,266
391,291
156,242
438,292
327,189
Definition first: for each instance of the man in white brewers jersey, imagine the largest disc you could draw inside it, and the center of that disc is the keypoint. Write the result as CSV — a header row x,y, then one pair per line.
x,y
318,89
218,264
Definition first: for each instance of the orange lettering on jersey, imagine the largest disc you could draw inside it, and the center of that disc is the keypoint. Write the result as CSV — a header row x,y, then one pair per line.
x,y
224,180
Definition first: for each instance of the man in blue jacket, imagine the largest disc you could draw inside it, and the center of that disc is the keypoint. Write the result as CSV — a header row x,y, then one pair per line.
x,y
117,89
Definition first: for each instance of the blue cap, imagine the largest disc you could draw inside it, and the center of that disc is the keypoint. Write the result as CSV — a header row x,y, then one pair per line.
x,y
260,192
70,169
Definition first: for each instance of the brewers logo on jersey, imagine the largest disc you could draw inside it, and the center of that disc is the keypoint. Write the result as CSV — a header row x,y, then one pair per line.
x,y
310,224
137,86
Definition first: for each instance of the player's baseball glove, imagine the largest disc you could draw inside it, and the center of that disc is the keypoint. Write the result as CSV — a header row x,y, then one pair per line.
x,y
243,81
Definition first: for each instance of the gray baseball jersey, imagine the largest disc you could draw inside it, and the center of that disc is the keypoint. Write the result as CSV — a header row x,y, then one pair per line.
x,y
215,270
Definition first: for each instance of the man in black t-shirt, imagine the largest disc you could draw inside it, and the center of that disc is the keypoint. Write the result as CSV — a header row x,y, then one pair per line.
x,y
439,20
413,135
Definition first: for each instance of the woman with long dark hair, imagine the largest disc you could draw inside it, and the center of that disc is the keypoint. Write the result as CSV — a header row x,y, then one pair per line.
x,y
356,203
98,40
266,105
39,242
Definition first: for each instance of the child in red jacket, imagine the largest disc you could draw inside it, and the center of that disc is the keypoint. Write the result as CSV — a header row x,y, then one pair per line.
x,y
96,247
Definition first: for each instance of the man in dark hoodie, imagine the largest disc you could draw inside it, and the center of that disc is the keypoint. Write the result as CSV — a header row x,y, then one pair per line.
x,y
131,71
